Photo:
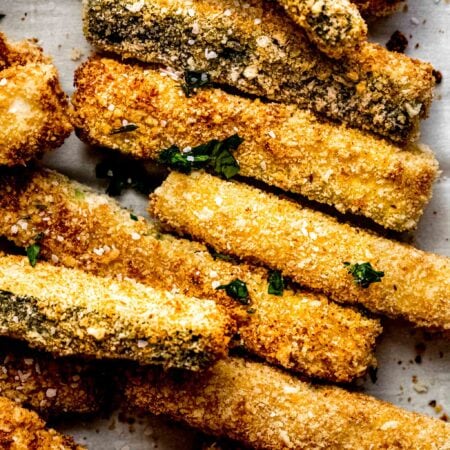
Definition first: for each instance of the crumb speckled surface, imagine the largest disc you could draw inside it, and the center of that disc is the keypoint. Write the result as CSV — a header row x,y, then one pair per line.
x,y
57,24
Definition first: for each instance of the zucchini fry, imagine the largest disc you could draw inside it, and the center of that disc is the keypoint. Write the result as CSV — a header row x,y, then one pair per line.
x,y
312,248
335,26
283,146
265,408
21,429
70,312
301,331
378,8
34,111
255,48
51,386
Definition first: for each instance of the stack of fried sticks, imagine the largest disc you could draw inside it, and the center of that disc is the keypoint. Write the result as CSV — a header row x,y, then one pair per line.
x,y
288,94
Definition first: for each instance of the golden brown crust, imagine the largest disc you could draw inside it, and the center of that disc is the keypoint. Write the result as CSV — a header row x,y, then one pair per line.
x,y
308,246
33,108
268,409
69,312
378,8
335,26
24,430
82,229
283,146
258,50
51,386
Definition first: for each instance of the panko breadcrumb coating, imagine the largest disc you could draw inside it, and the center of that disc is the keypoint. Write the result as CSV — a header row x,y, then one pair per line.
x,y
21,429
254,46
283,146
301,331
52,386
69,312
378,8
265,408
34,111
335,26
311,247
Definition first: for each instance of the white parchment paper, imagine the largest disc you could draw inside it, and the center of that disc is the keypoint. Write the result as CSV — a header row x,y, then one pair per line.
x,y
402,378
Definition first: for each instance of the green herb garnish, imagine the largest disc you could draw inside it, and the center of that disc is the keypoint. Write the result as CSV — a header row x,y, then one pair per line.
x,y
79,194
125,129
215,155
133,217
2,16
33,254
194,80
276,283
34,250
124,173
364,274
237,289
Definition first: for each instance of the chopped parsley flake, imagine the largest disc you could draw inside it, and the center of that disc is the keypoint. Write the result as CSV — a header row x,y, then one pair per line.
x,y
364,274
125,129
215,155
79,194
33,254
194,80
237,289
133,217
2,16
276,283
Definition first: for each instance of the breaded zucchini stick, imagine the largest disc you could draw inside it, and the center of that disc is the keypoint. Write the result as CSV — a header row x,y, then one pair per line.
x,y
311,247
265,408
301,331
258,50
21,429
335,26
33,108
283,146
378,8
70,312
51,386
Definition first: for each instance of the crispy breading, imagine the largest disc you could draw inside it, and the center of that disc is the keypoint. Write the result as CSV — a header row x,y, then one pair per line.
x,y
301,331
255,47
34,110
378,8
52,386
309,246
69,312
268,409
335,26
283,146
21,429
